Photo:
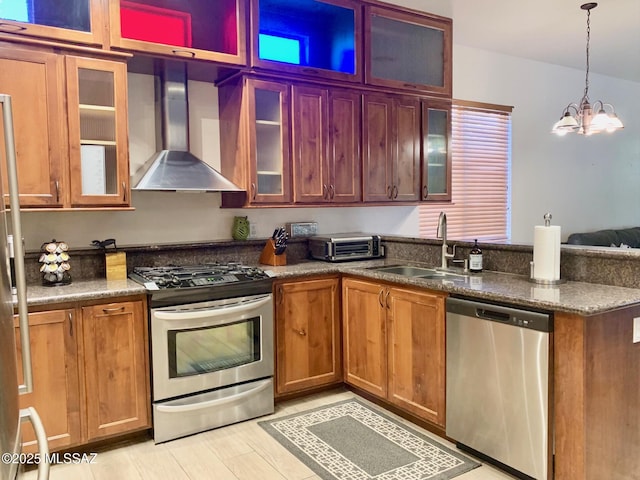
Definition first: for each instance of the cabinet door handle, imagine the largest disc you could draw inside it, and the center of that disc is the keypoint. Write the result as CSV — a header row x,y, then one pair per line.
x,y
411,85
380,300
10,27
113,309
302,333
124,191
57,183
424,192
395,192
332,191
184,53
389,190
386,300
310,70
70,324
325,191
253,191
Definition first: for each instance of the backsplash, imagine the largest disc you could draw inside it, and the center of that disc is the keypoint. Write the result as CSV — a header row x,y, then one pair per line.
x,y
617,267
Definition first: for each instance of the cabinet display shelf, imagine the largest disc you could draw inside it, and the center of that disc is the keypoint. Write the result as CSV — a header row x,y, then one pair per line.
x,y
269,172
272,123
96,108
97,142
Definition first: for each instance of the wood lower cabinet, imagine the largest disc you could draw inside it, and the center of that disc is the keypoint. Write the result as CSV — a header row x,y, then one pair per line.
x,y
56,394
394,344
364,336
416,353
115,365
90,372
308,346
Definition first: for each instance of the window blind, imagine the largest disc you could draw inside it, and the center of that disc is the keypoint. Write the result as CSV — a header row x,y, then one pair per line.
x,y
480,176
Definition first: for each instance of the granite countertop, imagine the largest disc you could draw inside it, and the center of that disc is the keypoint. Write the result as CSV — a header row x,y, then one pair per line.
x,y
573,297
82,290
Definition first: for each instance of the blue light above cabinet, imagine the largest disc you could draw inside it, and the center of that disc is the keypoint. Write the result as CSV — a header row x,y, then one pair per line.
x,y
322,35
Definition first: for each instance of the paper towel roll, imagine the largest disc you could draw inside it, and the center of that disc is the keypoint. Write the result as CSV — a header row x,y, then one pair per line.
x,y
546,252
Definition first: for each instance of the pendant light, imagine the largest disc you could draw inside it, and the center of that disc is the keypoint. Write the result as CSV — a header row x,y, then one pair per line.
x,y
580,118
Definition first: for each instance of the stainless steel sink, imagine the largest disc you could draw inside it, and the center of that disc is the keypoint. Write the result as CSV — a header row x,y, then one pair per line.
x,y
406,270
419,272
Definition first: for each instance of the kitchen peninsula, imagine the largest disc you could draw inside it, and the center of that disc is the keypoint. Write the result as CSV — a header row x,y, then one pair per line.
x,y
595,384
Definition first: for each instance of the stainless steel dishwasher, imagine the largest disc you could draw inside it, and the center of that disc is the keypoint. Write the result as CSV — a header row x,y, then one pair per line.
x,y
498,393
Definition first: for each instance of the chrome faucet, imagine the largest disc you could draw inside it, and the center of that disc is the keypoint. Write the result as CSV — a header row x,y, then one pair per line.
x,y
441,233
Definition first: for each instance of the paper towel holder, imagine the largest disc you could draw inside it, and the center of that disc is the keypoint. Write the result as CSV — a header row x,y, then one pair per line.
x,y
547,223
541,281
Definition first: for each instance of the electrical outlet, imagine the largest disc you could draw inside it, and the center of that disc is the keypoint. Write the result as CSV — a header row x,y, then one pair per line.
x,y
636,330
252,230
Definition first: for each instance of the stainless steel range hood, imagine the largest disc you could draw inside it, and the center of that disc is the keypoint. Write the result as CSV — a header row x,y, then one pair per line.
x,y
173,167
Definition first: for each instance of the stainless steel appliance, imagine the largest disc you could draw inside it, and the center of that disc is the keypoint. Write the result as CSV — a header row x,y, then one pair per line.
x,y
498,385
10,414
211,346
340,247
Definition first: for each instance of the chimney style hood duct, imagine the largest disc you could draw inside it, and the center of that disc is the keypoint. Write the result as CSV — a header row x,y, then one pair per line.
x,y
173,167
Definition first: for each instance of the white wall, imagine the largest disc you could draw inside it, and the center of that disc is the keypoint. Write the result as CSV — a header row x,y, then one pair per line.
x,y
586,183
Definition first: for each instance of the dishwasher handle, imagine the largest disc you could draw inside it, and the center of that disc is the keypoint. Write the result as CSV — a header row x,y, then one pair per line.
x,y
488,314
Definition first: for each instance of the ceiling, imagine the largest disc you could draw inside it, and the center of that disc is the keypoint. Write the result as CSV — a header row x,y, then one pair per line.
x,y
550,31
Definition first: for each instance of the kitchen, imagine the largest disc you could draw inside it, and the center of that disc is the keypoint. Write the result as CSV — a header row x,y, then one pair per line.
x,y
146,225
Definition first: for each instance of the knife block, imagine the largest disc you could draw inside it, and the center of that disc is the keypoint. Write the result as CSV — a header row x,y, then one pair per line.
x,y
269,257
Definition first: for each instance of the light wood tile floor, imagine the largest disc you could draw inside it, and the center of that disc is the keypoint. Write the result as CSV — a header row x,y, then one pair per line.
x,y
238,452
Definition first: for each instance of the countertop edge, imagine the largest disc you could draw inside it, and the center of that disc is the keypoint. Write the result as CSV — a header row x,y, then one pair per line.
x,y
570,297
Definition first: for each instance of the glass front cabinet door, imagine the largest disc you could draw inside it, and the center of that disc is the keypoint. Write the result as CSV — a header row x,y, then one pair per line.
x,y
204,29
254,140
310,37
98,142
78,21
408,51
436,150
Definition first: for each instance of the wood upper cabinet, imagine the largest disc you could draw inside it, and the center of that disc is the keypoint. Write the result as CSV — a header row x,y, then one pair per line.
x,y
199,29
320,38
77,21
394,345
116,379
417,352
56,393
35,81
391,148
98,132
436,150
326,145
407,50
254,140
364,322
78,155
308,346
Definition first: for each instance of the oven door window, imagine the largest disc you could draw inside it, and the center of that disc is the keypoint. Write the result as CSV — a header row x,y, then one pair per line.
x,y
209,349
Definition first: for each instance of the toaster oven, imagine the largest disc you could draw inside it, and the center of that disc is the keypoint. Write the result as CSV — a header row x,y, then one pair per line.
x,y
345,246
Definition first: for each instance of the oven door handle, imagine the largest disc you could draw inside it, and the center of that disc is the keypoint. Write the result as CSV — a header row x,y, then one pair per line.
x,y
213,312
212,403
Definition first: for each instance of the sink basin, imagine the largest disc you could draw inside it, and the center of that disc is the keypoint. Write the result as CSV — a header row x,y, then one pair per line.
x,y
419,272
406,270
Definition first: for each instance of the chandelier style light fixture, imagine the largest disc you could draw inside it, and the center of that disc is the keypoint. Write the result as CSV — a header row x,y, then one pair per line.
x,y
580,118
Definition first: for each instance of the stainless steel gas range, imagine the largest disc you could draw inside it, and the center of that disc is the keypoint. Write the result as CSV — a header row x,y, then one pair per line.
x,y
211,346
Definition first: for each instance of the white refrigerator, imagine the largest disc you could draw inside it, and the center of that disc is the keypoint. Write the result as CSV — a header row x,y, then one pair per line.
x,y
10,414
